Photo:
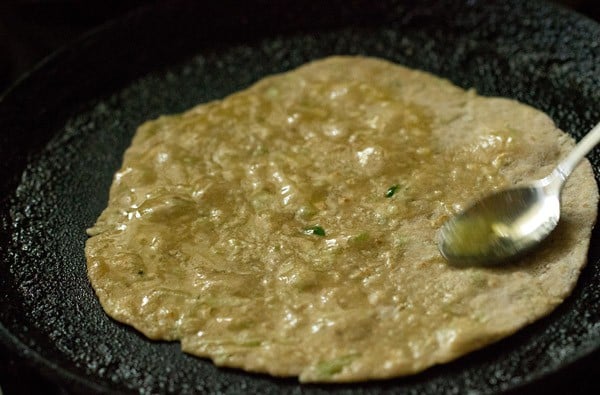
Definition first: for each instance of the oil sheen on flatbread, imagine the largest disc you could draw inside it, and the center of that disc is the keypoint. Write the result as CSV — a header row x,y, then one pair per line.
x,y
290,228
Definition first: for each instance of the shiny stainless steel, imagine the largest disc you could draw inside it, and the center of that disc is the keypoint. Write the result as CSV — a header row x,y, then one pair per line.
x,y
521,217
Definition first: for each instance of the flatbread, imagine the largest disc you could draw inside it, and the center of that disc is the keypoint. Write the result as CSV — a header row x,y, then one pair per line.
x,y
290,228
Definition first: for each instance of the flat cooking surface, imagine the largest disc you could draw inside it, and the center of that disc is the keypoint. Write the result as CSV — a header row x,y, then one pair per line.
x,y
65,129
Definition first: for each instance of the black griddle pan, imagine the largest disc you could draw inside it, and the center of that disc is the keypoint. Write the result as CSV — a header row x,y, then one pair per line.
x,y
65,126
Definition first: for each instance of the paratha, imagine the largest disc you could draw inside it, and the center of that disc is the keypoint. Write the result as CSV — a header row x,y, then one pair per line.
x,y
290,228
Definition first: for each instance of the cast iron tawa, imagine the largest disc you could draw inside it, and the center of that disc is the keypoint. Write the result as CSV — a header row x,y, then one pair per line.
x,y
64,128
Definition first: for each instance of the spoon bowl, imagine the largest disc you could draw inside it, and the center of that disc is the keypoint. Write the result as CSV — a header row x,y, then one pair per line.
x,y
510,223
501,226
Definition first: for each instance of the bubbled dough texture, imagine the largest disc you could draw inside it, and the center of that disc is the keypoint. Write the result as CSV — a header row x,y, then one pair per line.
x,y
203,238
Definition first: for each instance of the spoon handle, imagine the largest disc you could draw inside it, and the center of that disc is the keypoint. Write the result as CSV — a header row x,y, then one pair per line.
x,y
589,141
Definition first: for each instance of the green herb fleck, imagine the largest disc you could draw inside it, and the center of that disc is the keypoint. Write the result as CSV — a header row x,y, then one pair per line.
x,y
314,230
272,92
391,191
360,241
335,366
250,343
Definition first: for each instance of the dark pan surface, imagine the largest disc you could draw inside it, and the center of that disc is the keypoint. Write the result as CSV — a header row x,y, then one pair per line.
x,y
64,128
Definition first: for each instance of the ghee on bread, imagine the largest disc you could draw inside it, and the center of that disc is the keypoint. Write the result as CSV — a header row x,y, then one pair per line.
x,y
290,228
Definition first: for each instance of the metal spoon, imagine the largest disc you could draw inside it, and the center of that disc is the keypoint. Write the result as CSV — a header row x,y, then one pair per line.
x,y
507,224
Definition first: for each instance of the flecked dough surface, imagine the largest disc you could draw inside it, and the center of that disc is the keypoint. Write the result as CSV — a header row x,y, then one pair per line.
x,y
290,228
